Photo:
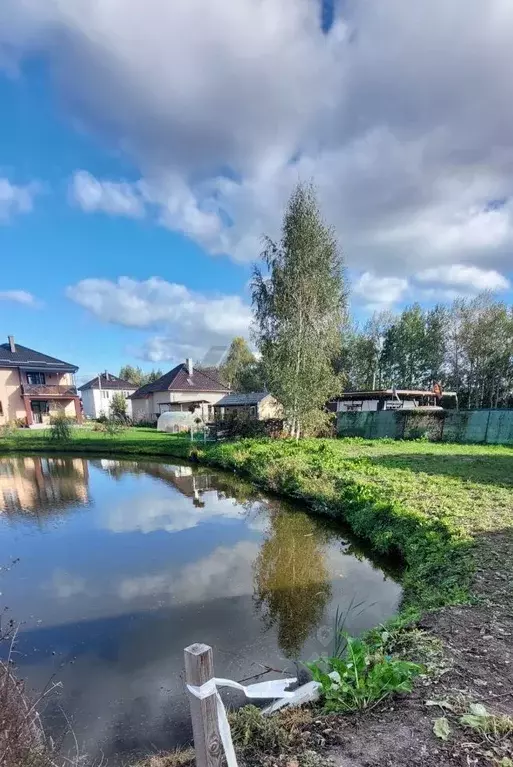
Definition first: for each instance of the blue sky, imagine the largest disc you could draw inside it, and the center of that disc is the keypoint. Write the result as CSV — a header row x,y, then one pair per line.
x,y
146,146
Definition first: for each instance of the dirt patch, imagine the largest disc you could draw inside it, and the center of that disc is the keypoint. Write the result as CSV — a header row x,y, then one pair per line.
x,y
477,644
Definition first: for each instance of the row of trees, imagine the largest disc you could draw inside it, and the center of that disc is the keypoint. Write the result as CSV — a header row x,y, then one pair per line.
x,y
467,346
310,350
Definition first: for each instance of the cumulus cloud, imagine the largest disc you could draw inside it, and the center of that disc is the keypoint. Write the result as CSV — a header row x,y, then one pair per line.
x,y
226,572
465,277
401,113
19,297
379,292
15,199
148,513
192,319
121,199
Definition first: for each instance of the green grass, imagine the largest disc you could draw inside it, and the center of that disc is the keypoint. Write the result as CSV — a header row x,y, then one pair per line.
x,y
438,506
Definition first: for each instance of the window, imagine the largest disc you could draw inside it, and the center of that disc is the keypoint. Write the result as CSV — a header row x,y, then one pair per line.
x,y
105,394
252,410
36,379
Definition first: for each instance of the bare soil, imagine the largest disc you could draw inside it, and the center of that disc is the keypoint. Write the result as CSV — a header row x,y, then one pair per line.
x,y
477,644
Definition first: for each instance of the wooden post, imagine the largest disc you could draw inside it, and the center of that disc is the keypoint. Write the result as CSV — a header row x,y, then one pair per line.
x,y
199,668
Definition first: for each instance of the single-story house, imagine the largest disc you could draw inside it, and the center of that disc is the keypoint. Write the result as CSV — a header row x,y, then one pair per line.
x,y
259,405
32,385
97,394
390,399
182,388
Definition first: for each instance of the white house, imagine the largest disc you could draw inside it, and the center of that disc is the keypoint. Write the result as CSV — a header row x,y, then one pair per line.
x,y
97,394
184,388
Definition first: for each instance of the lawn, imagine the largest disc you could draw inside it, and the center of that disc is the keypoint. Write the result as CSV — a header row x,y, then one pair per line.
x,y
440,507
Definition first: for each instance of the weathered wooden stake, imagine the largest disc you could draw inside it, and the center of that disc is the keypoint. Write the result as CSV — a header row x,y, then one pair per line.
x,y
199,668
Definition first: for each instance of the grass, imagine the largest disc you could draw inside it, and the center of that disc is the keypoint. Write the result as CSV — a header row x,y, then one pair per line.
x,y
436,506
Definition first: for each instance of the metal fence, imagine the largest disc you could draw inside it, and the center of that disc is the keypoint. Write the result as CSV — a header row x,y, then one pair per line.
x,y
491,427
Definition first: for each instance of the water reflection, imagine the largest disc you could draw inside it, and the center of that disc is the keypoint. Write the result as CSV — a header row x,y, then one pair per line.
x,y
42,486
148,557
293,583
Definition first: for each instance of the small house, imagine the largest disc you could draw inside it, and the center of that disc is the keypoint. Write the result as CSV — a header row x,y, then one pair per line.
x,y
258,405
185,388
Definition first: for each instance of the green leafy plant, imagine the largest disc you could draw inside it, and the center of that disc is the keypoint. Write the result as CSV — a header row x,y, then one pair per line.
x,y
61,430
362,678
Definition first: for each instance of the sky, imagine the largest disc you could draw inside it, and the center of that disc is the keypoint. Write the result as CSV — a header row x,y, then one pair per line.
x,y
146,146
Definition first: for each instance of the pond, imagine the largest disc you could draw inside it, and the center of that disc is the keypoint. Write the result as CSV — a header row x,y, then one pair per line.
x,y
118,565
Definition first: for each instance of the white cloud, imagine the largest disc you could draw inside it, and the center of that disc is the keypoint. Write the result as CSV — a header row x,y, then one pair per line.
x,y
147,513
467,277
191,321
401,114
225,573
379,292
19,297
121,199
15,199
64,585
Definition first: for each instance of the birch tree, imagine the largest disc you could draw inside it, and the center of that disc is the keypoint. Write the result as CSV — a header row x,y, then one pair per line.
x,y
299,302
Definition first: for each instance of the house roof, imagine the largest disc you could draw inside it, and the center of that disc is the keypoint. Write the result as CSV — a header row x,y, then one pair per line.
x,y
108,381
377,393
251,398
178,379
24,357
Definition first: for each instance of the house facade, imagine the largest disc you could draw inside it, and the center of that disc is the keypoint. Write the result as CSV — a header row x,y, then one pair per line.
x,y
258,405
182,388
98,393
34,385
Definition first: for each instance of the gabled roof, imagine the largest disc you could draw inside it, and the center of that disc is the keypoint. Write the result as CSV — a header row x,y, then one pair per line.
x,y
251,398
178,379
108,381
24,357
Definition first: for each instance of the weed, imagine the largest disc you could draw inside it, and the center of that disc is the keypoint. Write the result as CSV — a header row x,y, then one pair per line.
x,y
362,678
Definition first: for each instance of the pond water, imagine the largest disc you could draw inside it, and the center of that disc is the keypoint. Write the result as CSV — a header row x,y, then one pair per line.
x,y
121,564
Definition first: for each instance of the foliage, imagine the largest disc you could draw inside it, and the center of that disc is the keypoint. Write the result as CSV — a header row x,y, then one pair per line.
x,y
299,305
137,377
61,429
467,346
362,678
241,371
118,407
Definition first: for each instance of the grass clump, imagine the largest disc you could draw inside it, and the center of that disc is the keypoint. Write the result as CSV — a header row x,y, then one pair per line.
x,y
180,757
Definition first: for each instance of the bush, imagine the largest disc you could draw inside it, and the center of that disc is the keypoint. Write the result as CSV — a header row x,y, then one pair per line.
x,y
61,428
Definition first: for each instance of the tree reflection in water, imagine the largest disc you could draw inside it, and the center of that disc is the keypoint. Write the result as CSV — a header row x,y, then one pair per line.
x,y
292,581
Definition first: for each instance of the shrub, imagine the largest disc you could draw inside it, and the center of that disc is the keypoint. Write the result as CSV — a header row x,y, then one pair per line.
x,y
362,678
61,428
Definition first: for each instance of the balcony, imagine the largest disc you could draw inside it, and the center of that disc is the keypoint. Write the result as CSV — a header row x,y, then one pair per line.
x,y
50,391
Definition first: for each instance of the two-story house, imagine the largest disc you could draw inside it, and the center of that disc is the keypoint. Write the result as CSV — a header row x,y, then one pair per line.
x,y
97,394
183,388
32,385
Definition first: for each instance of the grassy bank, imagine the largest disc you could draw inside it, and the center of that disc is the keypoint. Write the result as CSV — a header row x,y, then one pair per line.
x,y
434,505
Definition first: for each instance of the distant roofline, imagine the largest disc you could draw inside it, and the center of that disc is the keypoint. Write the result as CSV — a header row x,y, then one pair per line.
x,y
376,393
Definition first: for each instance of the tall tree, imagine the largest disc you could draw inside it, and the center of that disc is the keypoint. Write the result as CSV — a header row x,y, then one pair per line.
x,y
299,305
137,377
133,374
239,359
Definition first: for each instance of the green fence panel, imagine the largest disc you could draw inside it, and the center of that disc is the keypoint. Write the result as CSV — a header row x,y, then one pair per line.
x,y
495,427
